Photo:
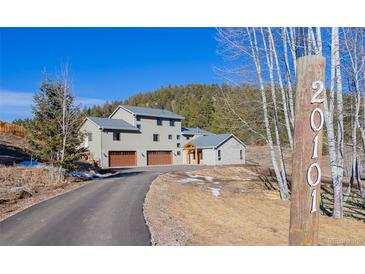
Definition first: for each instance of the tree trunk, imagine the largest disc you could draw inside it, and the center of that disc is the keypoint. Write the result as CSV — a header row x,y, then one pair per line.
x,y
255,53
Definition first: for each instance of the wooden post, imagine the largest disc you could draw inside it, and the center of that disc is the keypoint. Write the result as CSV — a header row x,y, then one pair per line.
x,y
306,170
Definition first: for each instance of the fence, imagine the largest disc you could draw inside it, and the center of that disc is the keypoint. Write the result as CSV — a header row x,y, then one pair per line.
x,y
13,129
353,206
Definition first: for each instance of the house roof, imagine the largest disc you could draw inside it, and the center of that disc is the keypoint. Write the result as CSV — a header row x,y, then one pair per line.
x,y
194,131
213,140
151,112
107,123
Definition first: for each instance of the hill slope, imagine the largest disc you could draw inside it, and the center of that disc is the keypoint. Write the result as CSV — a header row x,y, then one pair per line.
x,y
205,106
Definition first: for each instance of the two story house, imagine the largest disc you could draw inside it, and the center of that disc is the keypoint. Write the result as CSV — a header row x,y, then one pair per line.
x,y
138,136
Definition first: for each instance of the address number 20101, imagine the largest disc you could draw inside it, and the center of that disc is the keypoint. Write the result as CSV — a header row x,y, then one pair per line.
x,y
316,125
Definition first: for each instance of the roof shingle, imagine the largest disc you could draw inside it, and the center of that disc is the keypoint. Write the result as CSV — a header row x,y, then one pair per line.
x,y
194,131
152,112
208,141
107,123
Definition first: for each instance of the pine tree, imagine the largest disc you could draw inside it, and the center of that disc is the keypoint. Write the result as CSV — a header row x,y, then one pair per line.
x,y
55,125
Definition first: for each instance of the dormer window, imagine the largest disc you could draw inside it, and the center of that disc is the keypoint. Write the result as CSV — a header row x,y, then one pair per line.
x,y
159,121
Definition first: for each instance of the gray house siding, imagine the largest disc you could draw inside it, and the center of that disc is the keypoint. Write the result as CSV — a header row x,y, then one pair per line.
x,y
208,156
230,152
124,115
143,141
94,145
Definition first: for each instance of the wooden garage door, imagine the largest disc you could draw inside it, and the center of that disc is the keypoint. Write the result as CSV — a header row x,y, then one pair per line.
x,y
159,157
122,158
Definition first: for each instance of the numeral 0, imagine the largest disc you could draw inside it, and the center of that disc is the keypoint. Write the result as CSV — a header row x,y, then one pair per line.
x,y
321,119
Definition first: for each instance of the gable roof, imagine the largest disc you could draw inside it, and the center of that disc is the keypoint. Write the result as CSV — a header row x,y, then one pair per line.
x,y
107,123
150,112
213,140
194,131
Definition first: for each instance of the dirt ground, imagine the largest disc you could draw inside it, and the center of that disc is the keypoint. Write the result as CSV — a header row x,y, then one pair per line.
x,y
230,206
21,187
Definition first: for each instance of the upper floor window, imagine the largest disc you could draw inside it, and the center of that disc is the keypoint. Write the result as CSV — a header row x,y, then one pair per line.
x,y
178,153
139,126
156,137
219,155
178,144
187,137
172,123
170,136
89,136
159,121
177,137
241,154
138,118
116,136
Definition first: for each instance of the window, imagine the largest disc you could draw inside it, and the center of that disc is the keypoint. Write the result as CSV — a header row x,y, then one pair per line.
x,y
116,136
219,155
89,136
178,144
187,137
172,123
170,136
177,137
156,137
159,121
139,126
138,118
178,153
241,155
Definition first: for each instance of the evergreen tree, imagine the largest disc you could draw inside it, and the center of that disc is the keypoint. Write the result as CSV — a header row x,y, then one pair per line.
x,y
55,125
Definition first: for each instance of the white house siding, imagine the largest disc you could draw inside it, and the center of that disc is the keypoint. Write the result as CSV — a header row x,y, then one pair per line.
x,y
94,146
230,153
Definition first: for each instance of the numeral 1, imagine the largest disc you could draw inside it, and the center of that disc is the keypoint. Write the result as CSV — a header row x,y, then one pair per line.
x,y
314,200
315,148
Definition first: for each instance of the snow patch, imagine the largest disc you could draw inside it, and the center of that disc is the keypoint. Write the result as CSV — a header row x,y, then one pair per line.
x,y
81,174
188,180
207,178
215,191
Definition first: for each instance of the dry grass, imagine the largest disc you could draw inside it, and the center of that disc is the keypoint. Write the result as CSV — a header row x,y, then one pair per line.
x,y
247,212
21,187
13,129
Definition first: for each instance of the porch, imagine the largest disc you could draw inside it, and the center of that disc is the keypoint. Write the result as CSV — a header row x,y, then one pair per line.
x,y
194,156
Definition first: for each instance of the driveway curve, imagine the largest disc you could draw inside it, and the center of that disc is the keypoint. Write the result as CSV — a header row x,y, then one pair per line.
x,y
104,212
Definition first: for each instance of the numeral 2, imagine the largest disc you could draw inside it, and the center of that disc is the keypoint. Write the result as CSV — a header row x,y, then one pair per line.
x,y
320,87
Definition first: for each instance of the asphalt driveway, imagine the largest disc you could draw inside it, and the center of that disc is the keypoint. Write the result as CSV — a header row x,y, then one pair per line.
x,y
104,212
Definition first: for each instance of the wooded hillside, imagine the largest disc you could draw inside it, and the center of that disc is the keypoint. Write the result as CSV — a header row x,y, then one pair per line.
x,y
211,107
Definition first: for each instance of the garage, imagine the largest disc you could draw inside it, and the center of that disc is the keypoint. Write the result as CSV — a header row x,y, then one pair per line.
x,y
122,158
159,158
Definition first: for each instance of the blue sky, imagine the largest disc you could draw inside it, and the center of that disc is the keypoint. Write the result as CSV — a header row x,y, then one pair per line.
x,y
106,63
